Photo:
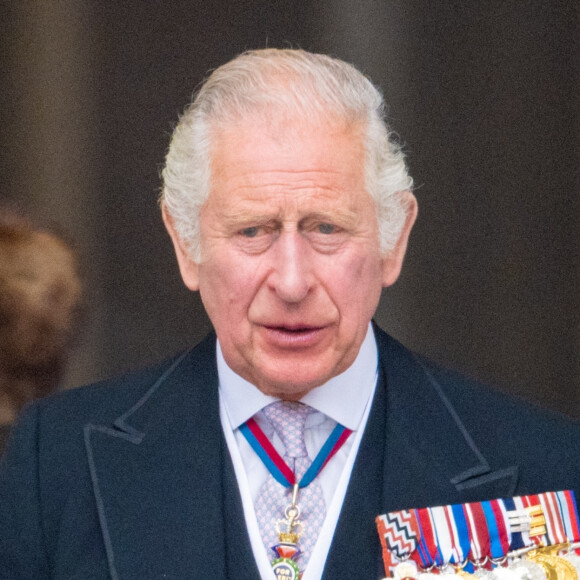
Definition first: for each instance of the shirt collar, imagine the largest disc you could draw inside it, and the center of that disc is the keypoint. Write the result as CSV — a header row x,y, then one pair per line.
x,y
343,398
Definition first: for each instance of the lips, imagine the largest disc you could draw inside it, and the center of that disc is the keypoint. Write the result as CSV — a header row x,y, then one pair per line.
x,y
292,329
293,335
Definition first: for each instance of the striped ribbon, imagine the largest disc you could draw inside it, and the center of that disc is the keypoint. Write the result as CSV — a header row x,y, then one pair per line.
x,y
276,465
554,525
569,510
460,530
452,534
478,533
498,526
518,540
398,533
530,501
443,535
427,553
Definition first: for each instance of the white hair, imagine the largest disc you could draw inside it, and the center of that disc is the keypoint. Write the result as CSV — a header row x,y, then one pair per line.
x,y
282,82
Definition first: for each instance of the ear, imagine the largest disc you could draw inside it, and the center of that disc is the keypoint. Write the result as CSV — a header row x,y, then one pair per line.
x,y
393,262
188,268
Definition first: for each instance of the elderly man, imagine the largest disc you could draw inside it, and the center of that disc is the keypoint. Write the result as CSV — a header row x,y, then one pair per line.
x,y
269,449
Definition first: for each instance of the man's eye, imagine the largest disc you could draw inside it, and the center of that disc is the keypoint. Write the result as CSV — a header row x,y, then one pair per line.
x,y
326,228
250,232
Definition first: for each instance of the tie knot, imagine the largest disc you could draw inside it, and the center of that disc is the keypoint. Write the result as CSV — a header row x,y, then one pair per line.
x,y
288,419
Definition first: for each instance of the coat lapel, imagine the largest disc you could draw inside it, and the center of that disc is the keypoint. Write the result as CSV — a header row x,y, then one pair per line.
x,y
415,452
430,457
355,550
158,474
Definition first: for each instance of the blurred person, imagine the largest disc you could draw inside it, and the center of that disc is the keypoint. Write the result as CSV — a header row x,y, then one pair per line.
x,y
40,298
290,208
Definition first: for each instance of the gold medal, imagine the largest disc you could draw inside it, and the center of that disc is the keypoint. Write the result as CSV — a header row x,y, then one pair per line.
x,y
556,567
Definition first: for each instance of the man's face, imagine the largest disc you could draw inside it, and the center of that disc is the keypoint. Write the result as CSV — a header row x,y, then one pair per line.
x,y
291,271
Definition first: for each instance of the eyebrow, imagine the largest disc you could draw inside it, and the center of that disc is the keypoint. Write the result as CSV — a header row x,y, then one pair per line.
x,y
239,220
341,216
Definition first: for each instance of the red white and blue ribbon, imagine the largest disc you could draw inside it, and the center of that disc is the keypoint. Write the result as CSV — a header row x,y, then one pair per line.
x,y
500,535
444,534
519,539
451,534
554,524
460,532
276,464
427,554
478,533
481,533
569,510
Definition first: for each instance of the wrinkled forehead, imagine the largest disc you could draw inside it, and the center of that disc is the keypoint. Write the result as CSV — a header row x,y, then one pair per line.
x,y
260,168
283,126
274,158
279,118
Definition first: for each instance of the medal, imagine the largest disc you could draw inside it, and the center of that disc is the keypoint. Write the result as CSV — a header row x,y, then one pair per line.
x,y
289,531
569,512
526,570
556,538
453,537
405,571
573,557
526,523
290,528
479,538
500,533
443,538
461,543
549,564
398,532
530,537
427,554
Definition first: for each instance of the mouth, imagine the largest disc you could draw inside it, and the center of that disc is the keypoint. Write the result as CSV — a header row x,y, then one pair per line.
x,y
293,336
293,329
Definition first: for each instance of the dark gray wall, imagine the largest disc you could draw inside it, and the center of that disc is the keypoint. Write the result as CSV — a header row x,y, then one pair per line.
x,y
483,95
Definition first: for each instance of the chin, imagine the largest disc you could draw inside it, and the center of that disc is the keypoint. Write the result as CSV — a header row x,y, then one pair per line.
x,y
289,386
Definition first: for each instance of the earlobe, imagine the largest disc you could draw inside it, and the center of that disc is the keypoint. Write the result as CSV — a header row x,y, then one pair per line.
x,y
393,262
188,268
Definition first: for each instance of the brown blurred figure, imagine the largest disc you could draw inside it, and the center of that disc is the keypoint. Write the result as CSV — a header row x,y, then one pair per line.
x,y
40,302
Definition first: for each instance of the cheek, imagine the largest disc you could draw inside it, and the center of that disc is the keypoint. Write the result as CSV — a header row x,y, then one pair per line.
x,y
358,287
227,287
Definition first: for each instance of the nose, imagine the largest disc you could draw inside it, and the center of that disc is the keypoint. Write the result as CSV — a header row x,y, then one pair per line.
x,y
291,275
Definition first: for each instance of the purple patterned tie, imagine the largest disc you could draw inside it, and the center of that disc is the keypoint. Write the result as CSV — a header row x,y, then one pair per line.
x,y
288,420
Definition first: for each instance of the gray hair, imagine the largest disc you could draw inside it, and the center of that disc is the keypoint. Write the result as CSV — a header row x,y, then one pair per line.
x,y
283,82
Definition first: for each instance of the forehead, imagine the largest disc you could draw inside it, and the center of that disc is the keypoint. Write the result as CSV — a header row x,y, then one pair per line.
x,y
262,158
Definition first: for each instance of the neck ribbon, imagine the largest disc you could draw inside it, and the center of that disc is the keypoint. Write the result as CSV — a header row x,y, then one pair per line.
x,y
279,469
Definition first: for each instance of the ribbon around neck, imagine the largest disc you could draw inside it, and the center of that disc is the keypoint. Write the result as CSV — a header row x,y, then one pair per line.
x,y
276,465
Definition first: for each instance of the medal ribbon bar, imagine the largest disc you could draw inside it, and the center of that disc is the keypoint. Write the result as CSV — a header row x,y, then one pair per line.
x,y
533,537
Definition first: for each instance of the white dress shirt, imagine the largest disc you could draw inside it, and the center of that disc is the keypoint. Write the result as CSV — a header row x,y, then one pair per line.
x,y
344,399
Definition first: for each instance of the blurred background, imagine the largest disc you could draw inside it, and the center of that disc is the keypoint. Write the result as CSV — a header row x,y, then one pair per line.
x,y
483,95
